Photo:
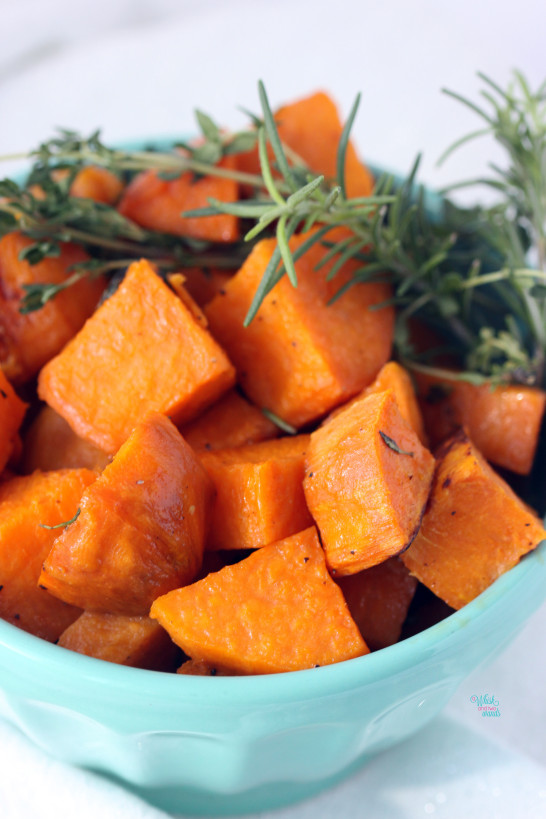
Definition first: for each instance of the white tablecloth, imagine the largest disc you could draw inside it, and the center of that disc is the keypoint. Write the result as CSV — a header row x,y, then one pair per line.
x,y
139,69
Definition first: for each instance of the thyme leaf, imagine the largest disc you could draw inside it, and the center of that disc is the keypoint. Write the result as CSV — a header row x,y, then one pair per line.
x,y
391,443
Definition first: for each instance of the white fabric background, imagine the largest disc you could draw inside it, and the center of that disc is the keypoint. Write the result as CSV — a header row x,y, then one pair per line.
x,y
138,68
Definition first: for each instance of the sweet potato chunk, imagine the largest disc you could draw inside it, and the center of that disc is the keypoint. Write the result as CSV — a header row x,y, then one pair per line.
x,y
141,529
504,421
300,357
231,422
157,204
27,506
138,641
259,493
50,443
298,124
199,668
475,528
12,412
367,483
142,350
278,610
28,340
99,184
379,599
394,377
203,284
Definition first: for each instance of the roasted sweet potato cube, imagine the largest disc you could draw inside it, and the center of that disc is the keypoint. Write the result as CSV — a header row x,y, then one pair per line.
x,y
142,350
12,412
199,668
475,528
367,482
158,204
32,509
379,599
138,641
277,610
301,356
141,529
394,377
259,493
503,421
50,443
298,124
203,284
99,184
231,422
28,340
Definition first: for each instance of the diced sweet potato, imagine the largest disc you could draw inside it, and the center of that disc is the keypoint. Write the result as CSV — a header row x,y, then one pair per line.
x,y
475,528
231,422
367,483
504,421
138,641
142,350
141,529
12,412
27,506
99,184
259,493
50,443
199,668
28,340
379,599
203,284
298,124
394,377
301,356
157,204
278,610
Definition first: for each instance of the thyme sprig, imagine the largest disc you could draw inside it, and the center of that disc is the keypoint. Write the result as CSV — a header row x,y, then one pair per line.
x,y
464,271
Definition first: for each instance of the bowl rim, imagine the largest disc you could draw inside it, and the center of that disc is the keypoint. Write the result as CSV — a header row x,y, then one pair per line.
x,y
284,686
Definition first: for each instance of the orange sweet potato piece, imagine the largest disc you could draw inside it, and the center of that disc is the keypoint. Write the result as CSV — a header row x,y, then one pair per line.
x,y
27,341
379,599
298,124
25,504
12,412
50,443
138,641
366,497
141,529
504,421
99,184
300,357
142,350
199,668
157,204
203,284
277,610
259,493
475,528
394,377
231,422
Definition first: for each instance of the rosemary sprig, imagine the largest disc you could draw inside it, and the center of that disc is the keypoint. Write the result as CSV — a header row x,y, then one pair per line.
x,y
463,271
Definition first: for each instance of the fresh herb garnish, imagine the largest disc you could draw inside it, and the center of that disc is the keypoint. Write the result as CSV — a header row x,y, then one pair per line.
x,y
62,525
284,425
391,443
465,273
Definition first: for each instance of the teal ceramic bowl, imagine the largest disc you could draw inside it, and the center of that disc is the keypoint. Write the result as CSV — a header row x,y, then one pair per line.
x,y
227,745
